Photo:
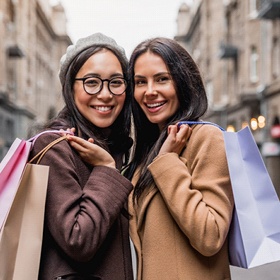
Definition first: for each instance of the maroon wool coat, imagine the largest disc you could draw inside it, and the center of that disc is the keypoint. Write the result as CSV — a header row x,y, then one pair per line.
x,y
85,230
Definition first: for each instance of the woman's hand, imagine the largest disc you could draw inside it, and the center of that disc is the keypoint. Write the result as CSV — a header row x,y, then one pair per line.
x,y
69,131
90,152
176,139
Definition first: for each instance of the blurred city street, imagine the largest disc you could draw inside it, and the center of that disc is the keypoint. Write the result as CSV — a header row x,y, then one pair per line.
x,y
236,45
265,272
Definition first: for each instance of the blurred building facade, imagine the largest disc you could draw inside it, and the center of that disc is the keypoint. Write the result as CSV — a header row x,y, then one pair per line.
x,y
33,39
236,44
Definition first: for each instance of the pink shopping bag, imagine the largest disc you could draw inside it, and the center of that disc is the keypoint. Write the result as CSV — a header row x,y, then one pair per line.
x,y
22,231
11,169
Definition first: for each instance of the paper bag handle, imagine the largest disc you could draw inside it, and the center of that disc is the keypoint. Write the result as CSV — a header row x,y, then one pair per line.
x,y
44,150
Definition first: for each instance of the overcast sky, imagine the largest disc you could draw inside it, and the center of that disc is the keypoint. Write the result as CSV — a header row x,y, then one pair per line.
x,y
127,21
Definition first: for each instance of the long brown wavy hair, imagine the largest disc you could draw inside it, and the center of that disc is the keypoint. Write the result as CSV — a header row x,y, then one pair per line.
x,y
192,99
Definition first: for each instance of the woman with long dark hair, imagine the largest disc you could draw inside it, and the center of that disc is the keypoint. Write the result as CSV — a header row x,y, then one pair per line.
x,y
181,205
86,221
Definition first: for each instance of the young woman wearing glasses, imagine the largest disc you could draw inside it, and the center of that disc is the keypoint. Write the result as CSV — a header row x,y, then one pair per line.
x,y
86,222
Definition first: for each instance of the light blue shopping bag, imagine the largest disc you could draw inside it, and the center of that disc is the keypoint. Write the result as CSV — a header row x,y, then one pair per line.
x,y
254,236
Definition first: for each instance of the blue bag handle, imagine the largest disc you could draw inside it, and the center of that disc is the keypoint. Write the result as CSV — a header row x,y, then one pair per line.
x,y
200,122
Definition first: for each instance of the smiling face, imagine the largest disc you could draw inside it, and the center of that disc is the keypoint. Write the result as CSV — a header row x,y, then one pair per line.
x,y
154,89
102,108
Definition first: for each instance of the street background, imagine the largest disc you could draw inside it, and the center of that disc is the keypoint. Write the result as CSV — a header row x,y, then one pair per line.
x,y
236,44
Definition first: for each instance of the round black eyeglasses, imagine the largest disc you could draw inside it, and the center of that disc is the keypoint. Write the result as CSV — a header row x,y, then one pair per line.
x,y
93,85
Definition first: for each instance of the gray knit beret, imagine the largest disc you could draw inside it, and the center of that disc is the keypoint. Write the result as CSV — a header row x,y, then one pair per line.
x,y
83,44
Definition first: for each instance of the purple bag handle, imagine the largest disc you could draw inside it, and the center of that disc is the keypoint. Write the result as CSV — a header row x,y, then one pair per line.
x,y
200,122
34,138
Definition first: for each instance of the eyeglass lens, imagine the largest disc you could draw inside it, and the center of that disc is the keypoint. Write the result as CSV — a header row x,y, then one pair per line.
x,y
93,85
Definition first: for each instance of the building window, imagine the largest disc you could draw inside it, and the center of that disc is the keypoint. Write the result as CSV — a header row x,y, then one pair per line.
x,y
210,93
9,130
254,5
275,59
11,11
253,8
254,59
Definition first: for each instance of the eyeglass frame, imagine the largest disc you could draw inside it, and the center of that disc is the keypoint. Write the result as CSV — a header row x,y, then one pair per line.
x,y
102,82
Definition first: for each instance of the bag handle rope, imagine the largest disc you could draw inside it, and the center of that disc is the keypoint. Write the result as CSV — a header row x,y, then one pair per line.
x,y
48,147
200,122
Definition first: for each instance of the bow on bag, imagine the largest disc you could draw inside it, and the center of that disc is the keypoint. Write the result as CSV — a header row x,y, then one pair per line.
x,y
254,236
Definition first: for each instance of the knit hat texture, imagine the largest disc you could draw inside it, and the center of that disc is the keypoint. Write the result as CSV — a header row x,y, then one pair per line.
x,y
83,44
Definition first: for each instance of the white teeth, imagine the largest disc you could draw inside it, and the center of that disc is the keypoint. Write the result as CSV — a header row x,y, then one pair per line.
x,y
155,104
102,108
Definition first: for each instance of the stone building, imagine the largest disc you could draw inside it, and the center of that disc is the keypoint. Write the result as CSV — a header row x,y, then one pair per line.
x,y
236,44
33,38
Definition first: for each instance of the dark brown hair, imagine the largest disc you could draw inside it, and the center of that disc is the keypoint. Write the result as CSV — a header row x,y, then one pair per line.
x,y
191,95
118,140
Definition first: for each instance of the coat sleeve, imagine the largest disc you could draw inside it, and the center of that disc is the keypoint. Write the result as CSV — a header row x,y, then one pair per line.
x,y
79,216
197,190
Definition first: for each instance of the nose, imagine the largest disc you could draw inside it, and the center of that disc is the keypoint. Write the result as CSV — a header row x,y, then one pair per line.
x,y
151,89
105,92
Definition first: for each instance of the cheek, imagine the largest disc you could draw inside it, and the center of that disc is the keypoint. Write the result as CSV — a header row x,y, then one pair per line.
x,y
76,93
80,95
121,100
177,106
174,97
81,98
176,101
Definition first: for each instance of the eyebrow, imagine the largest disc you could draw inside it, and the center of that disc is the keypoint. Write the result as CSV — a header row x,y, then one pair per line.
x,y
88,75
139,76
156,75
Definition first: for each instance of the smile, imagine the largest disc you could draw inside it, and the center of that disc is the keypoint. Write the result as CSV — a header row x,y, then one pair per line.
x,y
103,108
154,105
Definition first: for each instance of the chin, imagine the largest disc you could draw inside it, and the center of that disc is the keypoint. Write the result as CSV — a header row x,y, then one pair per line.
x,y
103,124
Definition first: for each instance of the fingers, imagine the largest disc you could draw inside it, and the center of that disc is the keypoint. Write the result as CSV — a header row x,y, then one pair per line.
x,y
90,152
63,132
68,130
78,143
184,132
172,129
72,130
181,133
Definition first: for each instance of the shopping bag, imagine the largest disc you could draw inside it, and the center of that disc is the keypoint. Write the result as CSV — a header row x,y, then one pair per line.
x,y
254,237
21,237
11,168
22,231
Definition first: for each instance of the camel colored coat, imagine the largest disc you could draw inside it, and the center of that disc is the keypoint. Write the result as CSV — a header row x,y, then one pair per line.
x,y
179,228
